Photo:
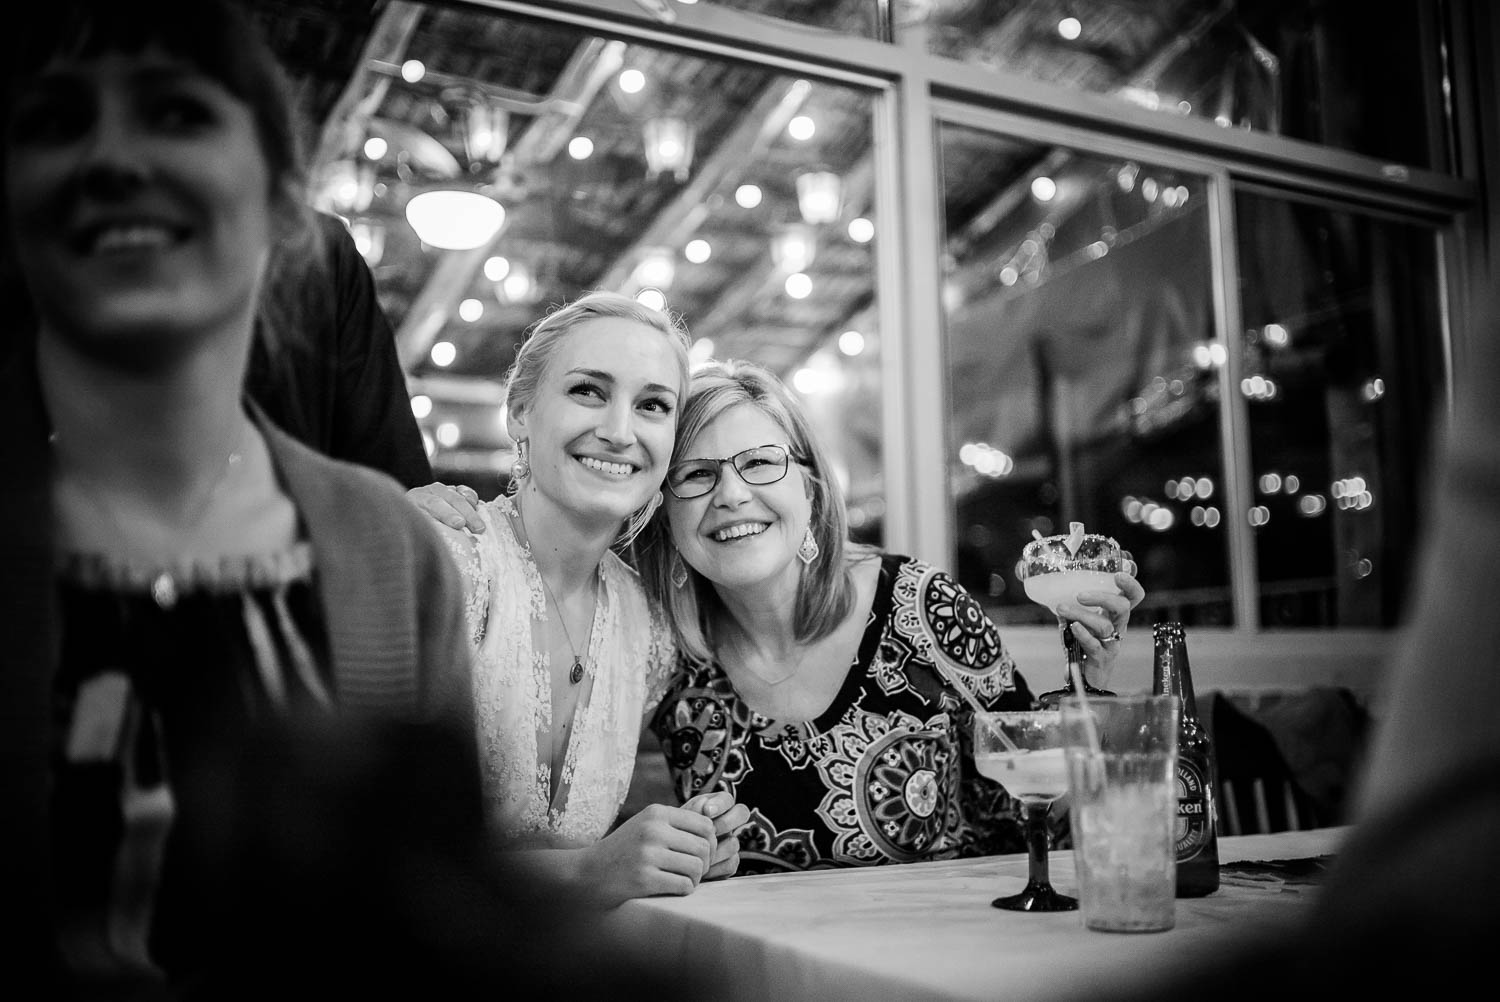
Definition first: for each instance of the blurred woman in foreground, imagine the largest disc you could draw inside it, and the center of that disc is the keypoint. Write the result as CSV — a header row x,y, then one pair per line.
x,y
178,573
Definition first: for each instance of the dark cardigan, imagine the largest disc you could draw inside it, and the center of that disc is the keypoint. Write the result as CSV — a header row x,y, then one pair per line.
x,y
391,601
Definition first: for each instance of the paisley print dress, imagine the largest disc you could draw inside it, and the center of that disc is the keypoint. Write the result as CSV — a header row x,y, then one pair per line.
x,y
886,773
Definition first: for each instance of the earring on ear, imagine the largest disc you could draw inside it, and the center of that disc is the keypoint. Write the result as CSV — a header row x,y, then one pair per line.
x,y
638,520
520,469
677,571
808,551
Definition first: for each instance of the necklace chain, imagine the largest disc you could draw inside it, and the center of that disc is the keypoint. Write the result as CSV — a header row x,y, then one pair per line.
x,y
734,640
576,673
163,584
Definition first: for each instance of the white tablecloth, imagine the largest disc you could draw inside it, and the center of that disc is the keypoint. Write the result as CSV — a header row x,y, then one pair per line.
x,y
926,931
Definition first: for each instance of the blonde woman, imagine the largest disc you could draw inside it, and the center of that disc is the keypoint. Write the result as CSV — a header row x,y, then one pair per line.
x,y
820,681
568,653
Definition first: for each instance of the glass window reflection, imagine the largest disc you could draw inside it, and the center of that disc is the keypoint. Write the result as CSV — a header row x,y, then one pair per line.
x,y
737,195
1082,367
1348,74
862,18
1342,370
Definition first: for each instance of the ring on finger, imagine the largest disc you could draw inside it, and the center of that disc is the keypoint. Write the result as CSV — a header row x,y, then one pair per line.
x,y
1111,638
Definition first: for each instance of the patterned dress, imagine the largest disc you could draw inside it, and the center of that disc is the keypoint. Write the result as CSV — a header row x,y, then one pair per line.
x,y
886,773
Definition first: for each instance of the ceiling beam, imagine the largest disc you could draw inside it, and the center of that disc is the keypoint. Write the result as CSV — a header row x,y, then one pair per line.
x,y
756,130
344,127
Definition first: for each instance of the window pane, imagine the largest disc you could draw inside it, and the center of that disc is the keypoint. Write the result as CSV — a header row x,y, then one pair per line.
x,y
622,166
1342,369
849,17
1346,73
1082,369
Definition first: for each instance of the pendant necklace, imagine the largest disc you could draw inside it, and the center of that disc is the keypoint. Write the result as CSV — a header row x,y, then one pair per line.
x,y
164,589
575,674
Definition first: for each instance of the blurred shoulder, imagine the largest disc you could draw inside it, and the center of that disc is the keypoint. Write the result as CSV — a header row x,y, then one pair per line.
x,y
319,483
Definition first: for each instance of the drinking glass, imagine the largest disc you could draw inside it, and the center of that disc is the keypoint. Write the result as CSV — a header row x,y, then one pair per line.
x,y
1022,750
1122,778
1054,569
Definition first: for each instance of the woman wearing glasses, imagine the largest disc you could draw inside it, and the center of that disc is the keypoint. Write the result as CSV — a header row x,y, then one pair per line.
x,y
568,654
819,679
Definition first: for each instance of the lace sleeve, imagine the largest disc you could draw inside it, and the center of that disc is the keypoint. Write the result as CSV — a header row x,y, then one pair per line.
x,y
661,662
464,546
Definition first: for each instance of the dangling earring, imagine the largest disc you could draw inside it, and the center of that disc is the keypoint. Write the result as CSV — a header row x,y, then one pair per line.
x,y
519,470
808,551
638,520
677,571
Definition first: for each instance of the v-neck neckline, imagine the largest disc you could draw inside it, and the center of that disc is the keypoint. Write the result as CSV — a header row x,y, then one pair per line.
x,y
556,768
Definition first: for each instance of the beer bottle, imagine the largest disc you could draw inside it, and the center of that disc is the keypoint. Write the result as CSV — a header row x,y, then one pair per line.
x,y
1197,771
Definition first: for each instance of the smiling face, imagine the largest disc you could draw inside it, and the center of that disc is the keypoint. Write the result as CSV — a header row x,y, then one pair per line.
x,y
599,428
138,198
739,535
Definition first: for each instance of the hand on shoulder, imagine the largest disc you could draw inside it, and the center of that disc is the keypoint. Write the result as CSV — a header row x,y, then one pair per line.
x,y
455,506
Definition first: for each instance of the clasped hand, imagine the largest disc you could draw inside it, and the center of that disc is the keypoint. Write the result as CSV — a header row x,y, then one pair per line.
x,y
667,850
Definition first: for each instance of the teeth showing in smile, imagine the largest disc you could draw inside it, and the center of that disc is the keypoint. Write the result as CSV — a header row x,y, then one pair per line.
x,y
613,469
121,238
738,531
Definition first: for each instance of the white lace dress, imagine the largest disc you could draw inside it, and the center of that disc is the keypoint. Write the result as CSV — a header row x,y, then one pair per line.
x,y
630,661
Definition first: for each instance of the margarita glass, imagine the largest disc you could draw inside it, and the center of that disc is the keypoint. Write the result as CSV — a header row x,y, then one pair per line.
x,y
1023,752
1054,569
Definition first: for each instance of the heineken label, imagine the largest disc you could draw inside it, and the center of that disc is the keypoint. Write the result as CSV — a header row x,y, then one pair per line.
x,y
1194,827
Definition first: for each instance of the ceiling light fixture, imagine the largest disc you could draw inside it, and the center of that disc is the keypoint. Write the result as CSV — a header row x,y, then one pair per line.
x,y
369,239
793,248
454,219
819,196
518,285
347,187
486,130
669,147
656,269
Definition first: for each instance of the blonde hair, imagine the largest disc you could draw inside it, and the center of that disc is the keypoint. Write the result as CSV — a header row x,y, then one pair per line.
x,y
544,336
825,589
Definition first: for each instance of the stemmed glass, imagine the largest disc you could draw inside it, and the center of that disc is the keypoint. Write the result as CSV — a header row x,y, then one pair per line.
x,y
1022,750
1054,569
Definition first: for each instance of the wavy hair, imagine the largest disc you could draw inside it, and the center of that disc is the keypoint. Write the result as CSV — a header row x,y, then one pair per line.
x,y
825,589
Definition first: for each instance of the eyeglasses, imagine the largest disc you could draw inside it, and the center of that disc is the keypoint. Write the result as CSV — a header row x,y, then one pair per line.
x,y
693,478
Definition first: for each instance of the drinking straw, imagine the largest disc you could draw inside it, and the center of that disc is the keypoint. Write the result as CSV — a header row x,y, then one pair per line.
x,y
1075,672
980,713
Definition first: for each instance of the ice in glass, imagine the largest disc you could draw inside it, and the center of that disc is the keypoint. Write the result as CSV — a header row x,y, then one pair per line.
x,y
1122,783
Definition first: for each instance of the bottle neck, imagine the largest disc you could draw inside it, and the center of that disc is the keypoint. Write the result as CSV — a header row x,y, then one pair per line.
x,y
1171,674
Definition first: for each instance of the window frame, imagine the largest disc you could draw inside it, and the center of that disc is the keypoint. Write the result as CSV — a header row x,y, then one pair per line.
x,y
915,90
